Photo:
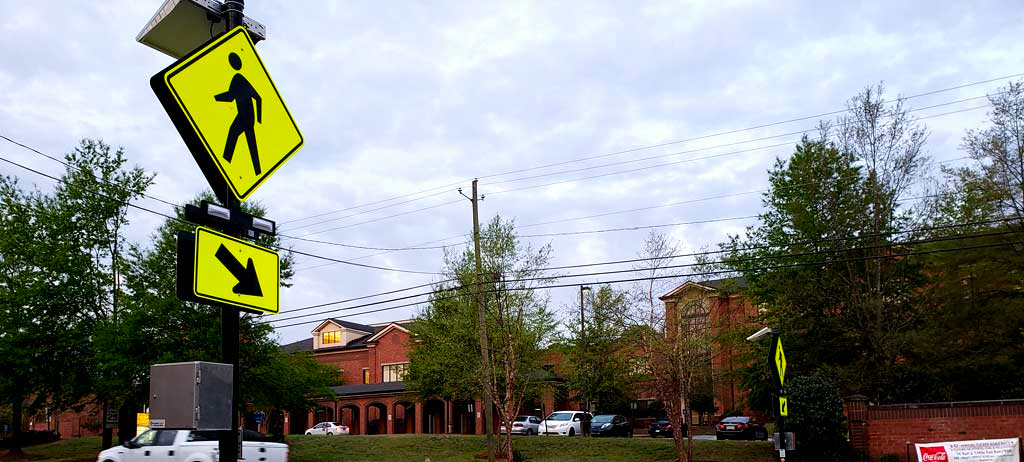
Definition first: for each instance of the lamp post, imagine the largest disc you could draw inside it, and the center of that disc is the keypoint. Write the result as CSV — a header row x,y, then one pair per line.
x,y
777,364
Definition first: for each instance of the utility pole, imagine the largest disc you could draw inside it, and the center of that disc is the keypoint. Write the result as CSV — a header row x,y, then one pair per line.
x,y
230,442
581,346
485,353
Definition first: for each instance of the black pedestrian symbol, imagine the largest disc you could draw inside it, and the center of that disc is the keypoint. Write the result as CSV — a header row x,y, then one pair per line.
x,y
243,94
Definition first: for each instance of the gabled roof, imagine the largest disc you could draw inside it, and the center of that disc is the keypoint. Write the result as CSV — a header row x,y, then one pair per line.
x,y
384,330
709,286
301,345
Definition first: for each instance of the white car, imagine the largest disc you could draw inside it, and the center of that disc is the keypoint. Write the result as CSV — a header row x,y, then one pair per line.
x,y
524,425
565,423
187,446
328,428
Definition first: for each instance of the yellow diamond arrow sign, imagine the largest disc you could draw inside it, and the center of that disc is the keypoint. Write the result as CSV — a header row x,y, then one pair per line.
x,y
783,406
229,113
779,362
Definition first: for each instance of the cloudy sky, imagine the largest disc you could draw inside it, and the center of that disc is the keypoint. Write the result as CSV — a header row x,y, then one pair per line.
x,y
403,102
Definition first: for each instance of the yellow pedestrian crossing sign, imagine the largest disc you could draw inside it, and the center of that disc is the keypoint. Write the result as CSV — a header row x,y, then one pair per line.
x,y
779,361
225,270
783,406
228,110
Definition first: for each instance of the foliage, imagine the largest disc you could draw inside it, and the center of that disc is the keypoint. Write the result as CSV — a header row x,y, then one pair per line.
x,y
817,263
157,327
599,356
445,357
816,415
59,261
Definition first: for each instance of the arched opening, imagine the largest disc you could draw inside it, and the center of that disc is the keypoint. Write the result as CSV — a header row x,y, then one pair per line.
x,y
464,417
349,417
433,416
298,421
405,417
324,414
376,419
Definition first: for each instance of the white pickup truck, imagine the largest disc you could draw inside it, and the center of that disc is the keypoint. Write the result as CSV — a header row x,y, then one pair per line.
x,y
160,445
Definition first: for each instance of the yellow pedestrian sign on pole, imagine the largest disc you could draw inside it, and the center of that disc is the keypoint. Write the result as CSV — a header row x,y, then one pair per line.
x,y
783,406
779,362
229,113
228,271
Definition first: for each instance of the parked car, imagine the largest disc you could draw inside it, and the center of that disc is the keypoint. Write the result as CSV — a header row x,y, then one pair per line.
x,y
741,428
328,428
188,446
662,427
524,425
610,425
565,423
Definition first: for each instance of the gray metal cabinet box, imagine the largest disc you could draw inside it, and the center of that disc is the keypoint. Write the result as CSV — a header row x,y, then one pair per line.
x,y
194,395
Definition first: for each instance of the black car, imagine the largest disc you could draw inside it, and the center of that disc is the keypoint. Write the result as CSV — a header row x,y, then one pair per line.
x,y
610,425
740,428
662,427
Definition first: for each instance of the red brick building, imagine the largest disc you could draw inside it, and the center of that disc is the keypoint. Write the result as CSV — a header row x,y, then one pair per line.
x,y
723,308
371,362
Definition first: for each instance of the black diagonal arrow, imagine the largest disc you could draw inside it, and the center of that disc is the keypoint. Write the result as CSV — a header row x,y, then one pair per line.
x,y
248,282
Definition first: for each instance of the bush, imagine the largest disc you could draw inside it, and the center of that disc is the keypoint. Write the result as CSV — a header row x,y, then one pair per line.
x,y
816,417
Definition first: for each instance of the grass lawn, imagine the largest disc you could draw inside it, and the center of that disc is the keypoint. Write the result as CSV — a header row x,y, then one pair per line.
x,y
73,450
455,448
536,449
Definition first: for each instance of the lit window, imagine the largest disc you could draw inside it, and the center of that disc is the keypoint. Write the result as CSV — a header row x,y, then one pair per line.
x,y
331,337
394,372
366,375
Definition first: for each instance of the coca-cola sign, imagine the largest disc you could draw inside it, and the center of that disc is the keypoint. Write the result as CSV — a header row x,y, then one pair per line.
x,y
933,454
996,450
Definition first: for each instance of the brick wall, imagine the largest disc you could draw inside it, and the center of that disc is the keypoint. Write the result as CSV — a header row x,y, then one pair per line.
x,y
878,430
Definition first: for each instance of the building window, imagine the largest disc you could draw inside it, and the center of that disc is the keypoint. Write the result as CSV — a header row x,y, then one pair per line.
x,y
366,375
394,372
331,337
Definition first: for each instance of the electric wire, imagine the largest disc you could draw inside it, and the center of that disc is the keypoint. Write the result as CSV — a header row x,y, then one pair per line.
x,y
174,218
650,278
633,270
668,143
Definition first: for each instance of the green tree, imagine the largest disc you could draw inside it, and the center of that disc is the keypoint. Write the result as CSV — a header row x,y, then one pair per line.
x,y
445,358
824,233
57,264
600,356
155,326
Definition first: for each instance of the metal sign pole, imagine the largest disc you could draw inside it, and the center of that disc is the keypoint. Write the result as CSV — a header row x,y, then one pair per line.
x,y
231,441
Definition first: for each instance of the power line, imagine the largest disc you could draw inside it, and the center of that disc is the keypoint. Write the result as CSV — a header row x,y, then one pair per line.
x,y
715,156
68,165
668,143
736,260
598,231
713,252
620,172
651,278
627,171
169,217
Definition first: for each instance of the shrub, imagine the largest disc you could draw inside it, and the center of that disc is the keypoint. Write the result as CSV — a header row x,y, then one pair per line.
x,y
816,416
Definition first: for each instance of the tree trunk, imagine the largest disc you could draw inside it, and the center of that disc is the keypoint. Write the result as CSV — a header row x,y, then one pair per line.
x,y
126,423
16,408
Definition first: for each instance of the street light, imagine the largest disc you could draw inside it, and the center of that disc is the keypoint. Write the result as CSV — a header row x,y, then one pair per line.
x,y
764,332
777,359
